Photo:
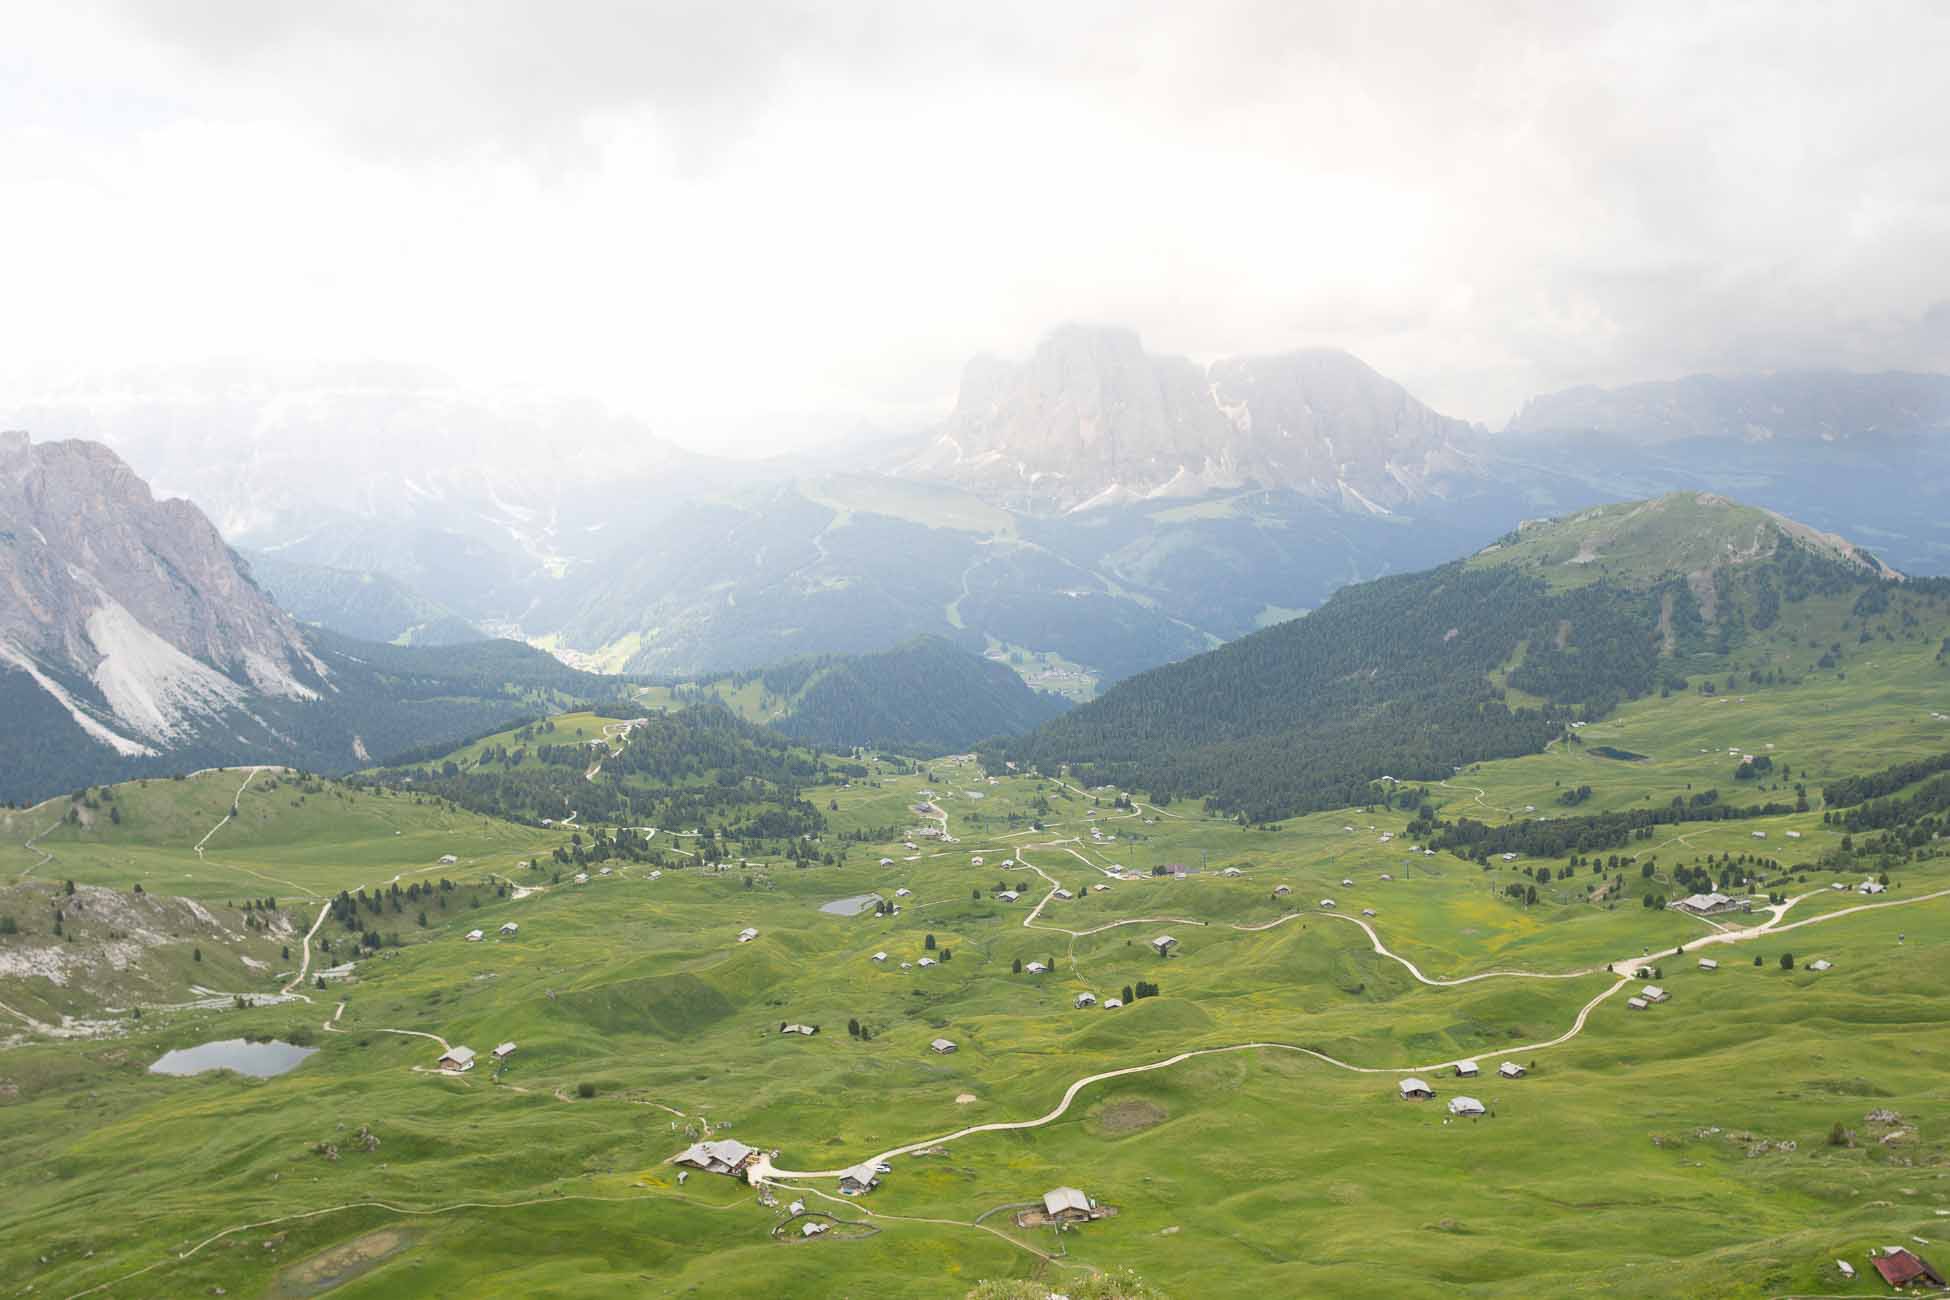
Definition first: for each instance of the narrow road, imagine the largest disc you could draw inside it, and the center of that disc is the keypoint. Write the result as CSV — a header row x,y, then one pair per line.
x,y
198,849
1479,793
304,961
32,847
1623,970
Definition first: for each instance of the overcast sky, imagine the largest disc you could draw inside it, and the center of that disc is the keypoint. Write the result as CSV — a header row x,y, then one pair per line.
x,y
755,225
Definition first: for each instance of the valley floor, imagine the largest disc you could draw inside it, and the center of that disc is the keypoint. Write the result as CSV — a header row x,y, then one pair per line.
x,y
1244,1124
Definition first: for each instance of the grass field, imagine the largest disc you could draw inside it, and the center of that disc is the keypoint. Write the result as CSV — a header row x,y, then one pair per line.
x,y
1258,1171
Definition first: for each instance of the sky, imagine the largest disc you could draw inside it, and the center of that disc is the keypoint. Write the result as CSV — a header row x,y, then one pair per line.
x,y
758,226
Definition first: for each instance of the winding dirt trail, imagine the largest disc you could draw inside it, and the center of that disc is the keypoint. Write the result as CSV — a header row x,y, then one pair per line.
x,y
304,958
1623,972
858,1208
32,847
198,847
1479,793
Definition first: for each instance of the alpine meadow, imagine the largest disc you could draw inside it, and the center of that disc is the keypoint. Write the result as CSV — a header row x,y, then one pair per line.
x,y
974,652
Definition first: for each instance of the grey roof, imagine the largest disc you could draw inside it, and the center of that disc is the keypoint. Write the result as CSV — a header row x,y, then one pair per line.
x,y
506,1049
1065,1198
1467,1067
1509,1069
1415,1085
727,1152
1465,1106
462,1055
866,1175
943,1044
1163,941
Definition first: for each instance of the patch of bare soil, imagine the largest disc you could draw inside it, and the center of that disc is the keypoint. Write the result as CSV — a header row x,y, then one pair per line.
x,y
1130,1116
341,1264
966,1099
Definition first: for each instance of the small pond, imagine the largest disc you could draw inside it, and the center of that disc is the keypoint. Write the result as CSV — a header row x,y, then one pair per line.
x,y
259,1060
853,906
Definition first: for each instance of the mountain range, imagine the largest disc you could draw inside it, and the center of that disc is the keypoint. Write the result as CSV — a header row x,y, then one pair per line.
x,y
1091,420
134,641
1088,511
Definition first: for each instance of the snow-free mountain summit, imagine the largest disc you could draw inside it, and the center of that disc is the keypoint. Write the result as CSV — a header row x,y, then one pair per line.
x,y
1090,419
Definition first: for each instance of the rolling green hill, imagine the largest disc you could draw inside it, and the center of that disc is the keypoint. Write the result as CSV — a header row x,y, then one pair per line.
x,y
1416,676
700,767
1640,543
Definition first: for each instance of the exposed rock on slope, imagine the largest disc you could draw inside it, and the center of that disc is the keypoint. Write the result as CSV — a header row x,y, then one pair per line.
x,y
131,612
1090,419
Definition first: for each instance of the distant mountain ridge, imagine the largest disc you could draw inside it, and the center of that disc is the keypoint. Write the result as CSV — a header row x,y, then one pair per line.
x,y
134,641
1089,419
365,604
1792,406
925,696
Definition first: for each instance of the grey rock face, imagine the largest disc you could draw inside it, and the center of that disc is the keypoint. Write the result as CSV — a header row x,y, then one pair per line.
x,y
1091,419
133,608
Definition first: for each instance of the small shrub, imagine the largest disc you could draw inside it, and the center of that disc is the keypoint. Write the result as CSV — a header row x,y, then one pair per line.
x,y
585,1090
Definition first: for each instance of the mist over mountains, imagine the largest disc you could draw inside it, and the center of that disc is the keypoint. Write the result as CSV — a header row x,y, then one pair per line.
x,y
1091,420
1086,511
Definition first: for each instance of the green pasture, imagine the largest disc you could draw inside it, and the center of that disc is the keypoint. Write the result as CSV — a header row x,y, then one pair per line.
x,y
1260,1171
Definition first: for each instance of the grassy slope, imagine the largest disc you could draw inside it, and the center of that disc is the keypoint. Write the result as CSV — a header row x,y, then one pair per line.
x,y
1638,541
1283,1176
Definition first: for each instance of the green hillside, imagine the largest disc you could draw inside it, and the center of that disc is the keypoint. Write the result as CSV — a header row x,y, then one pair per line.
x,y
1642,542
926,696
700,767
1239,1115
521,1178
1416,676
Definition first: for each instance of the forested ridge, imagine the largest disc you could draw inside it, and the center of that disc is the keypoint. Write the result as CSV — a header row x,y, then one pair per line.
x,y
925,696
695,767
1400,678
388,699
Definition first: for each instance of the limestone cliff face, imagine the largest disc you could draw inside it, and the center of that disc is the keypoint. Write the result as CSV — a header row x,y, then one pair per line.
x,y
1091,419
131,612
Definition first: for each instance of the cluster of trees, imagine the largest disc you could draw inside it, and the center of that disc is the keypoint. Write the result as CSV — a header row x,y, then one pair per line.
x,y
1752,769
1563,836
702,766
1850,790
357,912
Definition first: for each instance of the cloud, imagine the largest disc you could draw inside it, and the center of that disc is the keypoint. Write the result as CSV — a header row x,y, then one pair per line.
x,y
753,225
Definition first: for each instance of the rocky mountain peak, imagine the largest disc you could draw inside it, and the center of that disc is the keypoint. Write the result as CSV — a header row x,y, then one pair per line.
x,y
131,612
1090,418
